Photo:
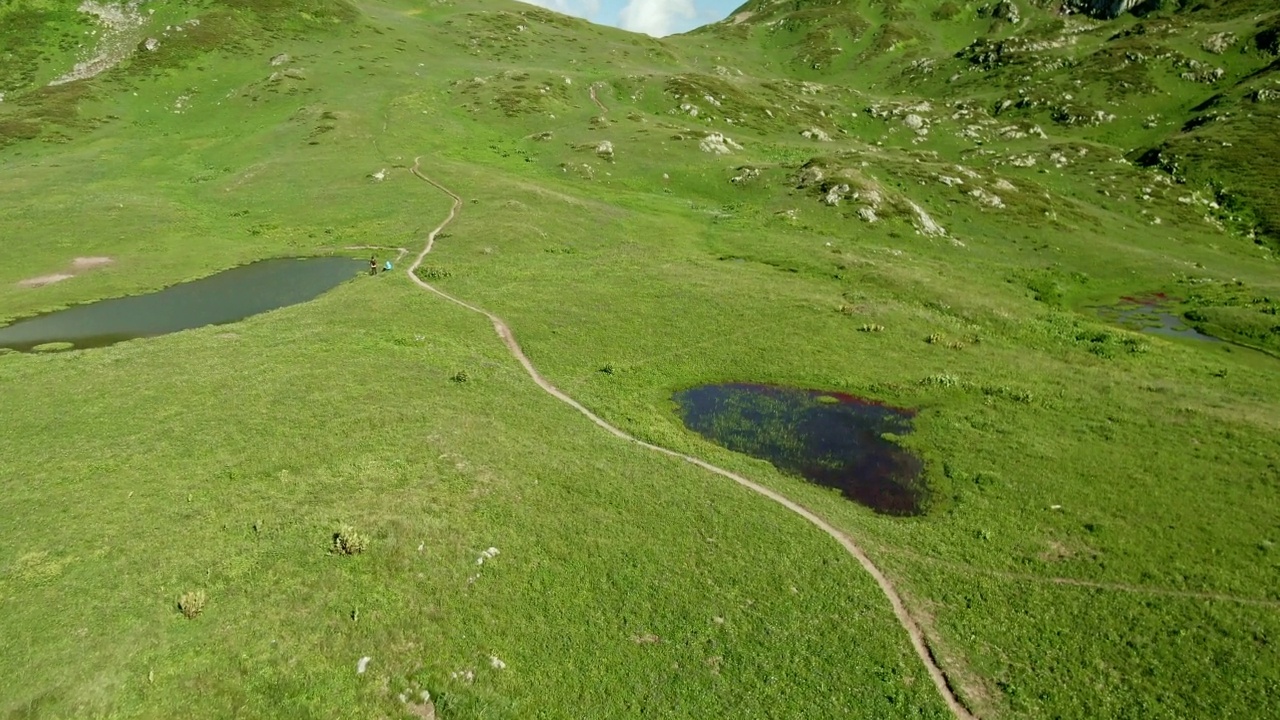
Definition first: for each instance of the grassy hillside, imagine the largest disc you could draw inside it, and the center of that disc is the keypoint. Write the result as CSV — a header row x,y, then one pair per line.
x,y
916,202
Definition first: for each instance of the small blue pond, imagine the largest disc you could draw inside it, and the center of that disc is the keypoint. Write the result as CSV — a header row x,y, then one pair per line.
x,y
216,300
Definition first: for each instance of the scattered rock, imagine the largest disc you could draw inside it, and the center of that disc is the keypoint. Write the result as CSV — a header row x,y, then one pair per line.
x,y
816,134
1219,42
151,44
1005,186
745,174
986,198
718,144
867,214
833,195
496,664
280,59
544,135
363,665
605,150
121,26
1102,9
924,224
380,175
1006,10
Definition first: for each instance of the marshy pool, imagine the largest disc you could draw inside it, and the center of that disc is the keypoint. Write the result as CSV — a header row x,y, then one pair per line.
x,y
1151,314
832,439
219,299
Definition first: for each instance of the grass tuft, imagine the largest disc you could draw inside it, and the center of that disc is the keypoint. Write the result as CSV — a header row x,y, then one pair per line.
x,y
347,541
192,603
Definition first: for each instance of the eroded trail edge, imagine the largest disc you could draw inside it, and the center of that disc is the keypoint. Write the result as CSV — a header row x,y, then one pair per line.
x,y
899,608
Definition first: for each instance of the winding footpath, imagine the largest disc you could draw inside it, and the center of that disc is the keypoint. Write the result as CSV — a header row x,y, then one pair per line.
x,y
504,331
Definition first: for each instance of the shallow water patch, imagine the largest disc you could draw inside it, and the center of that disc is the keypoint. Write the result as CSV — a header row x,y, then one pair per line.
x,y
831,439
1151,313
223,298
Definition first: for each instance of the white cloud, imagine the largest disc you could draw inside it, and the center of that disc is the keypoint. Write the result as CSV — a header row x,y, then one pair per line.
x,y
654,17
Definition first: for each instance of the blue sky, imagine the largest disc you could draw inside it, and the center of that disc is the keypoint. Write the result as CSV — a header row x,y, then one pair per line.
x,y
653,17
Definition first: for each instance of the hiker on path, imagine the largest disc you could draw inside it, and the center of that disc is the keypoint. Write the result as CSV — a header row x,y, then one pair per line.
x,y
373,265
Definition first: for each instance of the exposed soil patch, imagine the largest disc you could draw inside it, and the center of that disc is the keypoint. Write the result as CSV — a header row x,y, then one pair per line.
x,y
832,439
88,263
78,266
43,280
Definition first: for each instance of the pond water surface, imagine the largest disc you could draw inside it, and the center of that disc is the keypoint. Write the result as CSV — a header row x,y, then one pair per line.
x,y
832,439
229,296
1151,313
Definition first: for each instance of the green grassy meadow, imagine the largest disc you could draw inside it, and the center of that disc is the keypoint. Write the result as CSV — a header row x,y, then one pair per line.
x,y
1103,504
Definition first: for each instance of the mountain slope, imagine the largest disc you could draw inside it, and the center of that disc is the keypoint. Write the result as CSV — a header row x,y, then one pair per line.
x,y
950,207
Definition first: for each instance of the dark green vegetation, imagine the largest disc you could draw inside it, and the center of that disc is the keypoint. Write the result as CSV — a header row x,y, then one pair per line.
x,y
223,298
916,202
835,440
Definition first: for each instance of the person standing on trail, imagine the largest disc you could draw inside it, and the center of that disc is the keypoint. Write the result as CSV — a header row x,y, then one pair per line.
x,y
373,265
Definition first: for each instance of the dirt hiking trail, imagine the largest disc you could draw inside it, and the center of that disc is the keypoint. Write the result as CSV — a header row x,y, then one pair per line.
x,y
504,332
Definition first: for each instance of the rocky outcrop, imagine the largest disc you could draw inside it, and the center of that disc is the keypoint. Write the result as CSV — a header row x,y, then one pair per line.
x,y
1103,9
718,144
1219,43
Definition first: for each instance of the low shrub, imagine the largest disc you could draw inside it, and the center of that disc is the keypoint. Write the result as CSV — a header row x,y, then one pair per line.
x,y
192,603
432,272
349,542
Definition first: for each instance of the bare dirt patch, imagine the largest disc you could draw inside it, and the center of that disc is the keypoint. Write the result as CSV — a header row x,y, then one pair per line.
x,y
78,266
43,280
88,263
426,711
